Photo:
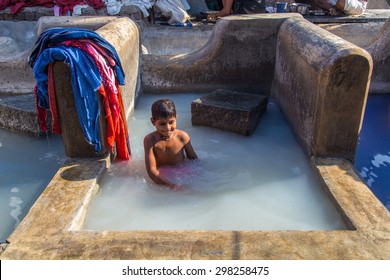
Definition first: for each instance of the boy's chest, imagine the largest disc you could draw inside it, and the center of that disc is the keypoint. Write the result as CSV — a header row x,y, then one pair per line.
x,y
168,147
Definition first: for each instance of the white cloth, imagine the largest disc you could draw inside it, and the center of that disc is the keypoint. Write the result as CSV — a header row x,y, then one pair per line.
x,y
77,10
113,6
175,10
355,7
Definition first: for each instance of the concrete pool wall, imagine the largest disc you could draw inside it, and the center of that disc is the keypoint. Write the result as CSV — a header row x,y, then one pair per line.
x,y
52,228
307,70
16,40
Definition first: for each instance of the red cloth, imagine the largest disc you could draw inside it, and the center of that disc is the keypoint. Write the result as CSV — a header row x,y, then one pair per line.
x,y
96,4
41,112
65,5
4,4
55,121
68,5
16,5
116,128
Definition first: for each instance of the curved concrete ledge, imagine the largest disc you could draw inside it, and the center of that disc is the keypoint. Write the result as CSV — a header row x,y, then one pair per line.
x,y
240,55
167,40
321,83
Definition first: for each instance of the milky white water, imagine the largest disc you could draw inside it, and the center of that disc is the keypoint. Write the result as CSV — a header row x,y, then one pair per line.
x,y
260,182
27,165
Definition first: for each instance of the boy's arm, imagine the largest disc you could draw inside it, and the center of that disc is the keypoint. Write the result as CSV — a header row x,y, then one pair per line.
x,y
151,165
190,152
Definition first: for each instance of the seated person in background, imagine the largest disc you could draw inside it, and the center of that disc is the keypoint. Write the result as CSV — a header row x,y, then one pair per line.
x,y
238,7
338,7
166,145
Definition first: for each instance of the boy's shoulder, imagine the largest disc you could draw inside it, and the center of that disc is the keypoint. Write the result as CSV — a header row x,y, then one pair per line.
x,y
151,137
182,134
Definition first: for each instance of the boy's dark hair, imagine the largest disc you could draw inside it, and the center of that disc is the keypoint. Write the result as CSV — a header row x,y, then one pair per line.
x,y
163,108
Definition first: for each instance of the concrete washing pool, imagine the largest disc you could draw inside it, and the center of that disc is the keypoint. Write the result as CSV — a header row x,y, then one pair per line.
x,y
261,182
289,191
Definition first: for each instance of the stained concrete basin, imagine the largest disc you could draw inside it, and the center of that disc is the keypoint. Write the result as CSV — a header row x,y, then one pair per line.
x,y
167,40
53,227
16,40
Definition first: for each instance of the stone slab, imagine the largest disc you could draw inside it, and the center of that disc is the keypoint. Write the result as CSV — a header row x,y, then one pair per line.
x,y
18,113
234,111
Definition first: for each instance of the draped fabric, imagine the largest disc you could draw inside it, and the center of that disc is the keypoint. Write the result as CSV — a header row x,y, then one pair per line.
x,y
95,67
68,5
16,5
64,5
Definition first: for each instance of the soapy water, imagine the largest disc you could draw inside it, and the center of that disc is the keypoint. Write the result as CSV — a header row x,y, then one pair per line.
x,y
260,182
27,165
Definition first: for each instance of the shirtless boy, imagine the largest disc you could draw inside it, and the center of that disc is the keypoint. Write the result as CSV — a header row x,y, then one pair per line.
x,y
167,145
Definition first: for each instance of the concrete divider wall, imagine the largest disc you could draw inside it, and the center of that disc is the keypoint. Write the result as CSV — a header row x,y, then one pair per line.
x,y
240,55
321,84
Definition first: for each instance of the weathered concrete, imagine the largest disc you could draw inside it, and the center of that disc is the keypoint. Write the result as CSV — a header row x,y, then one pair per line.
x,y
53,227
167,40
360,34
374,37
380,52
16,40
239,112
321,83
240,55
18,113
371,15
378,4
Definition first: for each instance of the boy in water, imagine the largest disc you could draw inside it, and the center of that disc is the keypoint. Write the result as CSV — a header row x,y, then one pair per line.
x,y
166,145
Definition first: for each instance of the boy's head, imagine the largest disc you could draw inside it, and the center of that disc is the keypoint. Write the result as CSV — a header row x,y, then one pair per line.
x,y
163,109
164,117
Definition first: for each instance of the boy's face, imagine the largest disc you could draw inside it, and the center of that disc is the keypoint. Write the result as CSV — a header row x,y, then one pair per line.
x,y
165,126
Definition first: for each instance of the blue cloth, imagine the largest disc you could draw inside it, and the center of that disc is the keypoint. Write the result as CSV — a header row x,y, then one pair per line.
x,y
85,79
58,34
85,75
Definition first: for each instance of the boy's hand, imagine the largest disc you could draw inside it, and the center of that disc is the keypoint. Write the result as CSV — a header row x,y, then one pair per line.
x,y
179,188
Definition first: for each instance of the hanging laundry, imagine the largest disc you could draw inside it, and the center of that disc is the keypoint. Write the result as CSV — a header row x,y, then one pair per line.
x,y
67,6
16,5
95,67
